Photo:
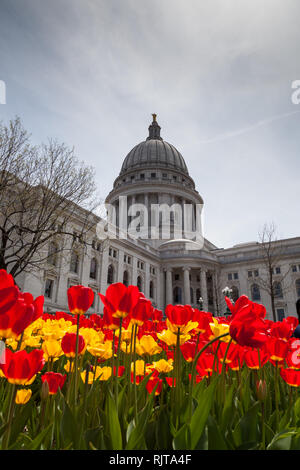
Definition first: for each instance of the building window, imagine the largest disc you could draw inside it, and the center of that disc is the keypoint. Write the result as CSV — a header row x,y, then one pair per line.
x,y
198,295
255,292
294,268
280,314
165,175
298,287
93,269
151,290
249,273
177,295
278,290
235,275
153,175
192,295
110,274
129,260
235,293
74,265
176,277
229,277
48,288
278,270
256,273
139,283
52,254
125,278
142,176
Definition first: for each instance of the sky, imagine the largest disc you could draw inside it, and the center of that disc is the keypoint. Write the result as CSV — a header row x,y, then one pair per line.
x,y
218,75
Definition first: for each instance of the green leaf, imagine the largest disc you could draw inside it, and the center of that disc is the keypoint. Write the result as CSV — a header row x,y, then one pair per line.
x,y
281,441
201,413
114,428
68,427
216,440
136,440
247,428
182,440
36,443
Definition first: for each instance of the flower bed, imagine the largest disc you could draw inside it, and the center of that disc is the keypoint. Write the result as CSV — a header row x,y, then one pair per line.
x,y
132,380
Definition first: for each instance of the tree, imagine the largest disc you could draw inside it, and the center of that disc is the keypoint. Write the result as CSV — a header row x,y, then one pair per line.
x,y
271,253
44,193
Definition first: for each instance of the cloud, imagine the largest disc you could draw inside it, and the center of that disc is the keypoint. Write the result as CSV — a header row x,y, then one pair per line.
x,y
219,73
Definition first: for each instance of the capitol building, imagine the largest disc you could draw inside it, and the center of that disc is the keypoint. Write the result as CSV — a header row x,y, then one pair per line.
x,y
173,269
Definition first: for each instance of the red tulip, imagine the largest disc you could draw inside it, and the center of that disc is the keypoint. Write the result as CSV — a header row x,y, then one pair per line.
x,y
203,319
80,299
156,315
291,377
256,358
154,382
240,303
68,344
54,380
8,291
247,326
171,381
179,315
21,367
23,312
277,349
281,329
188,350
120,300
141,311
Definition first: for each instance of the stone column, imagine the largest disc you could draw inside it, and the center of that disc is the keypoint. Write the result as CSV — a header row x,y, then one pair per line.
x,y
169,288
147,280
120,266
103,278
203,289
186,286
134,270
146,217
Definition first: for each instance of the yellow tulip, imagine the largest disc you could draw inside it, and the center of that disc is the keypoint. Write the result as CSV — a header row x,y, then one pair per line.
x,y
219,329
52,349
139,367
23,396
147,346
171,339
162,366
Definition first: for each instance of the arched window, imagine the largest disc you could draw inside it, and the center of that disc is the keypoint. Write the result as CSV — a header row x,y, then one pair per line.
x,y
278,290
139,283
177,295
74,265
93,268
125,278
151,289
255,292
298,287
198,295
192,295
52,254
235,293
110,274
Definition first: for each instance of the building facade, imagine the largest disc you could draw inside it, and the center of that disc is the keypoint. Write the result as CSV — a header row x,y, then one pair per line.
x,y
155,174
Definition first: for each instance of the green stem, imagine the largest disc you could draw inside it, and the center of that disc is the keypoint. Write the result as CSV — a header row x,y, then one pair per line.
x,y
76,361
10,416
